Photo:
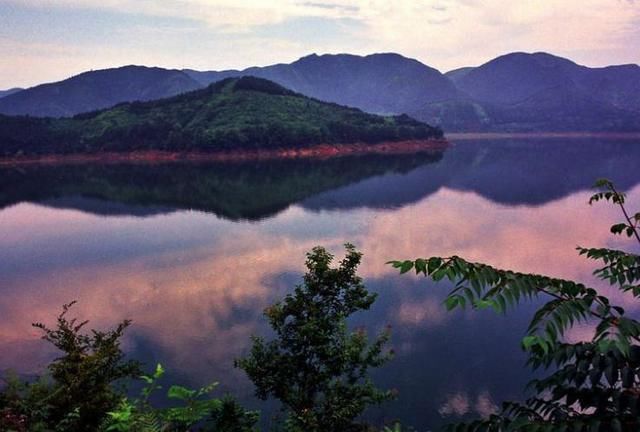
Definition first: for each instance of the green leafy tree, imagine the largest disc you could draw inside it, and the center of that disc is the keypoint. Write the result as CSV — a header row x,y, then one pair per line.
x,y
315,366
79,387
592,386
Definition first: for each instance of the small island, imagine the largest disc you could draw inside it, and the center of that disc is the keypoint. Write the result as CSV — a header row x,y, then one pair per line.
x,y
232,119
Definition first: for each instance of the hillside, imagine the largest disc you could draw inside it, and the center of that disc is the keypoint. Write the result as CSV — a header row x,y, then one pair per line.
x,y
455,74
378,83
540,92
10,91
236,113
95,90
514,92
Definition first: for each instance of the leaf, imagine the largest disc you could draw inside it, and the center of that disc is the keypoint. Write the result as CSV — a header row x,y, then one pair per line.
x,y
406,266
421,266
159,372
529,341
179,392
451,302
618,228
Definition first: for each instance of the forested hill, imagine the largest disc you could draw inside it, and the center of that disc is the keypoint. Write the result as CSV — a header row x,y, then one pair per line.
x,y
236,113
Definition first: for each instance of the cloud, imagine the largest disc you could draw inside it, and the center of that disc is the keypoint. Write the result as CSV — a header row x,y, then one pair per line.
x,y
460,404
422,313
183,277
442,33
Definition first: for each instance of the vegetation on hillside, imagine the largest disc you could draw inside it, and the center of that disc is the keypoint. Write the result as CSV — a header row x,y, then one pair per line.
x,y
233,114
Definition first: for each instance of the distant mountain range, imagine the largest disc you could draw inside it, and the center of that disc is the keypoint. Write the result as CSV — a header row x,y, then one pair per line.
x,y
95,90
378,83
522,91
514,92
246,113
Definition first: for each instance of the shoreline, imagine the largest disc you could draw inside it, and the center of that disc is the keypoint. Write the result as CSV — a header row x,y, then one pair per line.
x,y
321,151
463,136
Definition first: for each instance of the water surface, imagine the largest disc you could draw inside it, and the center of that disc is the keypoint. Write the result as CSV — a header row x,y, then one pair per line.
x,y
193,253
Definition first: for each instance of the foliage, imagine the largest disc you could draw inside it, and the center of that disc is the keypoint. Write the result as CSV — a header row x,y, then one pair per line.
x,y
78,390
315,367
594,385
236,113
195,408
81,392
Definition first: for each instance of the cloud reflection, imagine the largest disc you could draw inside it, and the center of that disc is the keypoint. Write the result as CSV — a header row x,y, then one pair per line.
x,y
195,284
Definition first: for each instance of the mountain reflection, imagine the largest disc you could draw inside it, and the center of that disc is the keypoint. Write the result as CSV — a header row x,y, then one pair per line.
x,y
195,284
531,171
505,171
238,190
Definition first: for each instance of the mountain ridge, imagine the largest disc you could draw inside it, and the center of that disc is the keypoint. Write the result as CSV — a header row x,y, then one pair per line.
x,y
10,91
497,96
244,113
92,90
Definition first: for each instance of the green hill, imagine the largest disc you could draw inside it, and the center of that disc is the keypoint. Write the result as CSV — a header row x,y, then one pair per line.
x,y
236,113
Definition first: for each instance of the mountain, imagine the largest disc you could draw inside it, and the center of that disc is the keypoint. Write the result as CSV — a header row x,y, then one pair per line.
x,y
515,77
455,74
10,91
95,90
378,83
236,113
516,92
540,92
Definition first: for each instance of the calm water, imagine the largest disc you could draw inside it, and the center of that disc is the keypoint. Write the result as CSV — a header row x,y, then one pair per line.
x,y
193,253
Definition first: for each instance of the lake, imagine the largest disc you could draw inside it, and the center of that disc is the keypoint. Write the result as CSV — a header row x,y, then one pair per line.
x,y
194,252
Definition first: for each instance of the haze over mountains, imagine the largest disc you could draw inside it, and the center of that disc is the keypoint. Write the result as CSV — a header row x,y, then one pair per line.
x,y
515,92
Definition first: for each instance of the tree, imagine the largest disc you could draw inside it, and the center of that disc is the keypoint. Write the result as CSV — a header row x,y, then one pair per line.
x,y
315,366
79,389
592,386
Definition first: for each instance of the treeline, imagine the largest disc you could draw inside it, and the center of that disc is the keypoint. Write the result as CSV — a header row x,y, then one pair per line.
x,y
234,114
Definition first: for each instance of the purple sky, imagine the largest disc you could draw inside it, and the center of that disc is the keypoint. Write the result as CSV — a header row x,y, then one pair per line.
x,y
48,40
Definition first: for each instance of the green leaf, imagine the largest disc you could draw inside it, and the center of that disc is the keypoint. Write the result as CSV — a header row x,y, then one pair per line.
x,y
451,302
179,392
406,266
159,372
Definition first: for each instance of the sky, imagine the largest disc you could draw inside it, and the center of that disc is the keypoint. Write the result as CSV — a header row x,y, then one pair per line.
x,y
49,40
